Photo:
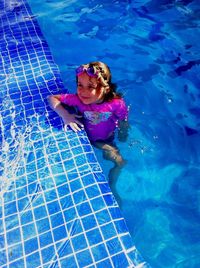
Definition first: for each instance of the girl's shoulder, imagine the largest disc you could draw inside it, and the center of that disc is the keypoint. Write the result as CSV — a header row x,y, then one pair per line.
x,y
70,99
114,105
117,101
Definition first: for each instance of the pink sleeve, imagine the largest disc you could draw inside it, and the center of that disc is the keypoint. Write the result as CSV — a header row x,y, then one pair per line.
x,y
70,99
121,110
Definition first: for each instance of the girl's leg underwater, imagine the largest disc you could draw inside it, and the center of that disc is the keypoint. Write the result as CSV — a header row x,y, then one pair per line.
x,y
111,152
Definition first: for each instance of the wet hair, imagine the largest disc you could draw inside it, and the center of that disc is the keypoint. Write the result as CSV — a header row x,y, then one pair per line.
x,y
107,77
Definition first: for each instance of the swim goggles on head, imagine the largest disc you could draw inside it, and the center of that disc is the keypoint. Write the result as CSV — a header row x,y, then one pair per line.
x,y
90,70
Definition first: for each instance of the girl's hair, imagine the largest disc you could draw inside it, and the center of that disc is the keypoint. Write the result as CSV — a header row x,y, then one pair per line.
x,y
106,74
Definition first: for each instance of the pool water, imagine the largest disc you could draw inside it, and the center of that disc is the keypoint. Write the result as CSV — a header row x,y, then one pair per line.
x,y
152,48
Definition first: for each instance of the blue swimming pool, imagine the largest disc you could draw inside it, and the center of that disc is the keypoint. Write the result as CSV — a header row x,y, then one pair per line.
x,y
153,49
56,207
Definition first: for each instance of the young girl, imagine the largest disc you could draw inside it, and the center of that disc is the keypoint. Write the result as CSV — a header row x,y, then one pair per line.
x,y
103,110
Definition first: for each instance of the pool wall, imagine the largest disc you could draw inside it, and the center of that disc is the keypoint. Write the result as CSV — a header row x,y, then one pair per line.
x,y
56,207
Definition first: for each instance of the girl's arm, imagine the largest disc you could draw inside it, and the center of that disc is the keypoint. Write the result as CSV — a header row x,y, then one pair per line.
x,y
123,127
68,119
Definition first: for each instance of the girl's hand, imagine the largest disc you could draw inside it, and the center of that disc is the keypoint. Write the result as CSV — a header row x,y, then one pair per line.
x,y
123,130
70,120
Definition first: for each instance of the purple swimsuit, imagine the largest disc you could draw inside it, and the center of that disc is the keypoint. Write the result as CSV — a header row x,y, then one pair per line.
x,y
100,119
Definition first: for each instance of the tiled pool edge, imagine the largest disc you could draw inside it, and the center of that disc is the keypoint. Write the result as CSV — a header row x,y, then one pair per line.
x,y
29,189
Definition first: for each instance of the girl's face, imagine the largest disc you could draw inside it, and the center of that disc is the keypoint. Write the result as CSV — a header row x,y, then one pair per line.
x,y
89,89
